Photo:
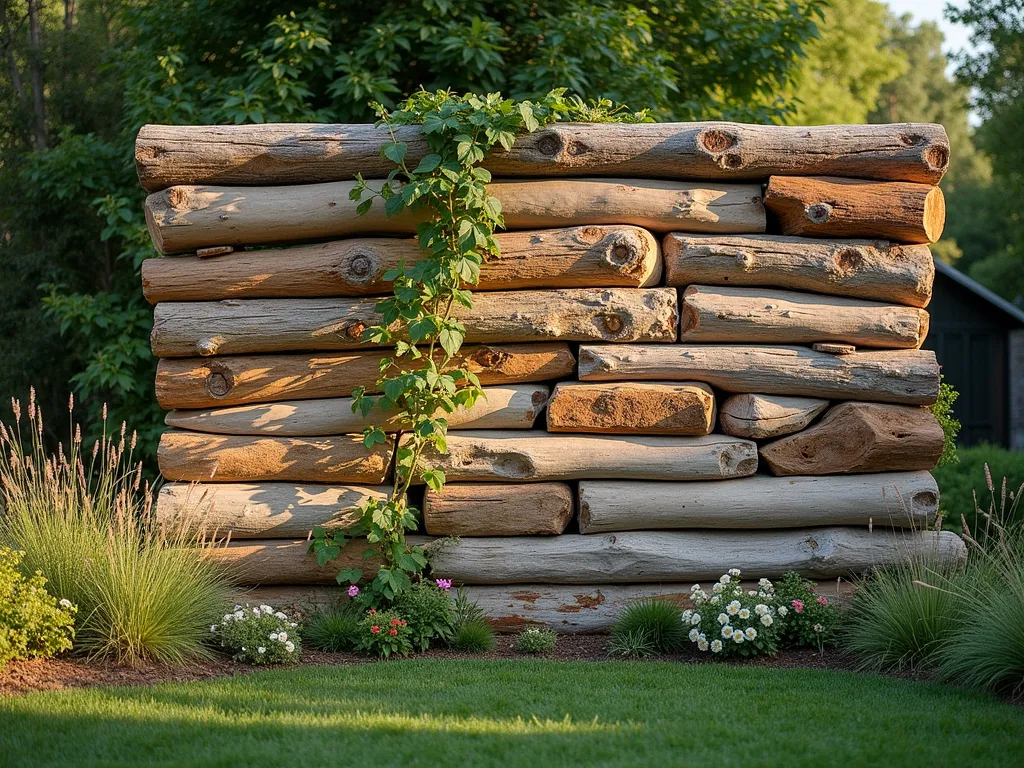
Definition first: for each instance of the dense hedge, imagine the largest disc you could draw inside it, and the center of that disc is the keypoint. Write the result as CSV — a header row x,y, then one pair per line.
x,y
958,480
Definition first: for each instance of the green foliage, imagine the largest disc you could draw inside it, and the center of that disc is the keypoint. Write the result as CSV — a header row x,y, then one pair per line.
x,y
650,623
259,635
943,410
633,644
465,609
971,477
810,618
533,640
473,636
336,629
429,611
732,622
32,621
384,634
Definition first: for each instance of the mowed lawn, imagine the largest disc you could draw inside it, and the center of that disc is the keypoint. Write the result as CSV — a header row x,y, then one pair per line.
x,y
502,713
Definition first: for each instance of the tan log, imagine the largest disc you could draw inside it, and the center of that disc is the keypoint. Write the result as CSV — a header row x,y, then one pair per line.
x,y
759,417
900,499
499,456
512,407
833,347
831,207
632,408
863,269
908,376
596,256
185,218
262,510
229,458
860,437
764,315
199,382
246,326
679,556
489,509
295,153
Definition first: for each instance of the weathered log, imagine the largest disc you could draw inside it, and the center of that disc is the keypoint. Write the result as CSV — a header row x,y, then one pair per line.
x,y
833,347
290,153
595,257
245,326
675,556
860,437
200,383
512,407
217,250
632,408
863,269
761,315
900,499
908,376
228,458
261,510
489,509
497,456
185,218
832,207
759,417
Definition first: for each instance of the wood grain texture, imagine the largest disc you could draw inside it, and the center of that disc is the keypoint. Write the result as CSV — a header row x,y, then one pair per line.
x,y
247,326
490,509
759,417
595,256
221,381
632,408
185,218
860,437
296,153
832,207
878,270
765,315
510,407
899,499
909,376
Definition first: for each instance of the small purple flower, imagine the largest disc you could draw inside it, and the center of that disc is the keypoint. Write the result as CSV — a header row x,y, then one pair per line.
x,y
353,591
444,583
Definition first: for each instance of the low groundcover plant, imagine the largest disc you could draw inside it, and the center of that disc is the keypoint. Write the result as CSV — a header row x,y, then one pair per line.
x,y
811,618
33,622
733,621
534,640
259,635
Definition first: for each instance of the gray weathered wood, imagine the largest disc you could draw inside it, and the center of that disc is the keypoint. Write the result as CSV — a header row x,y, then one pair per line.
x,y
490,509
762,416
632,408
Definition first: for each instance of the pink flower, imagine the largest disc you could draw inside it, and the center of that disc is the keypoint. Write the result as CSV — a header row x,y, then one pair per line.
x,y
393,632
353,591
375,629
444,583
823,600
798,606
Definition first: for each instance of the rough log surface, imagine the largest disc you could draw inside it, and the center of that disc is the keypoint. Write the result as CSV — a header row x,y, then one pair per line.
x,y
290,153
762,315
759,417
832,207
246,326
865,269
596,257
262,510
228,458
860,437
632,408
679,556
909,376
185,218
511,407
488,509
201,383
497,456
900,499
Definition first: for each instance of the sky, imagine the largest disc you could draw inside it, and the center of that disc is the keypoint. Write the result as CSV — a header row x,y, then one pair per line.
x,y
957,36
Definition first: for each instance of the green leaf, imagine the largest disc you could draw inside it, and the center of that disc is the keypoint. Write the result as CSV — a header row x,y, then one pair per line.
x,y
428,164
451,341
396,152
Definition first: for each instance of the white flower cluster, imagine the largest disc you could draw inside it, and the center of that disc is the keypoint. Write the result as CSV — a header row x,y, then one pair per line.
x,y
246,630
738,616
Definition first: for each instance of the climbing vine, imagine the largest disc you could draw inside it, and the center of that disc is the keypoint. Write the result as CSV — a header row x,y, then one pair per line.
x,y
425,380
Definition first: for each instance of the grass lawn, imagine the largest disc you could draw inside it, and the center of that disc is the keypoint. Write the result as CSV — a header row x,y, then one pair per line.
x,y
505,713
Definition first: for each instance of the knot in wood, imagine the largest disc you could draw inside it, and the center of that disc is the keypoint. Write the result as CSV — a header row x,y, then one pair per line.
x,y
716,141
819,213
207,347
361,264
848,261
621,253
549,144
486,357
936,157
219,383
613,323
577,148
539,398
354,330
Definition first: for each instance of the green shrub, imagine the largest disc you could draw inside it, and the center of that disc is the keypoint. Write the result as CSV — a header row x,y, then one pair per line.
x,y
810,618
429,611
533,640
655,622
943,410
384,633
474,636
466,610
633,644
259,635
732,621
83,519
959,483
335,629
33,622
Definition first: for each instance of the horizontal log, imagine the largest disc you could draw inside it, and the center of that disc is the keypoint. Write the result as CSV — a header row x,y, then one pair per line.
x,y
759,417
229,458
511,407
764,315
261,510
496,456
899,499
860,437
246,326
680,556
909,376
834,347
632,408
200,383
296,153
490,509
831,207
575,257
864,269
187,217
